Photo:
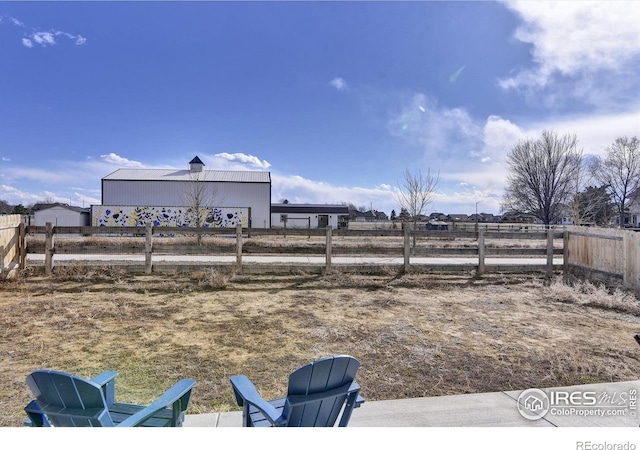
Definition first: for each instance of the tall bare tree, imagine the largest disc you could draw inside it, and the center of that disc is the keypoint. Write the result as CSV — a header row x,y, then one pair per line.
x,y
619,171
416,192
542,176
199,195
582,205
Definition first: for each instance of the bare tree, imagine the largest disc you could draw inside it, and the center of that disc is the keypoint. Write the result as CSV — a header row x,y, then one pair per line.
x,y
199,195
542,175
416,193
619,171
580,205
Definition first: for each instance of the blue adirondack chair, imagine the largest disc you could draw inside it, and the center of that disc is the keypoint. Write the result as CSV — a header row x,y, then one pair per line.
x,y
65,400
316,395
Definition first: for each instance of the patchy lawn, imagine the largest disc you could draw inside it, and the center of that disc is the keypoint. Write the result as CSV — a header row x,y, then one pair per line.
x,y
415,335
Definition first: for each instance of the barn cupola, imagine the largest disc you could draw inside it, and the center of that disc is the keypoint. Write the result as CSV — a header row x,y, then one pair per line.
x,y
196,165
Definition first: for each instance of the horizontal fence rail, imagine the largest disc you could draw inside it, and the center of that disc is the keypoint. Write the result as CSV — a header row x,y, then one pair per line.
x,y
152,249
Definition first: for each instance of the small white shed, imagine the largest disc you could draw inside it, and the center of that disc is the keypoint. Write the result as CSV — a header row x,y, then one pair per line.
x,y
61,215
287,215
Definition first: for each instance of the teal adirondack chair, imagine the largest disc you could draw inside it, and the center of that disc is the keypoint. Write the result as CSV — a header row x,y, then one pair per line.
x,y
65,400
317,394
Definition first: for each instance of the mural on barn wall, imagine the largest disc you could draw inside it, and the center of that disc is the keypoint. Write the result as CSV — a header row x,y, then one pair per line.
x,y
163,216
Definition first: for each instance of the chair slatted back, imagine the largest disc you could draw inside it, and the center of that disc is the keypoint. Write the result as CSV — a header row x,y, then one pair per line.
x,y
323,375
69,401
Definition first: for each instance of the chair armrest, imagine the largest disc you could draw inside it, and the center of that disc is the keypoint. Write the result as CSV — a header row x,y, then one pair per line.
x,y
105,377
246,394
106,380
177,397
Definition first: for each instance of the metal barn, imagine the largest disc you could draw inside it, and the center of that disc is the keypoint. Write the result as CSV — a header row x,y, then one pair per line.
x,y
249,190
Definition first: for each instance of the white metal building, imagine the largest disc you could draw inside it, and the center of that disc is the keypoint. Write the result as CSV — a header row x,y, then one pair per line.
x,y
179,188
61,215
309,216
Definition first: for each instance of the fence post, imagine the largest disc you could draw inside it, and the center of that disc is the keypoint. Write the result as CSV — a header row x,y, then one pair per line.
x,y
481,265
22,246
407,249
550,252
48,249
148,248
565,255
631,269
328,250
239,249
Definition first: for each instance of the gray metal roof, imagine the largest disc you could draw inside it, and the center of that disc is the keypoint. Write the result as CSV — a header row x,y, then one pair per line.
x,y
244,176
283,208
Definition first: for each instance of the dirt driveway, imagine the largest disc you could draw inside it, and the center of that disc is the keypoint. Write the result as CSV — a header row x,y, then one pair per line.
x,y
415,335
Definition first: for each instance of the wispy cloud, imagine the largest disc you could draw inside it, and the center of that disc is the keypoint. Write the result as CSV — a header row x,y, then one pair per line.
x,y
50,38
13,20
578,42
243,159
120,161
339,83
441,132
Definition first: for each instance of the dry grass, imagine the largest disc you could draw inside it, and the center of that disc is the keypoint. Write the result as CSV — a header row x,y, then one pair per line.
x,y
415,335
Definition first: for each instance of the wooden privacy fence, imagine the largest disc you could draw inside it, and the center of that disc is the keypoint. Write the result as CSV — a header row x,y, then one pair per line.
x,y
11,237
160,248
605,253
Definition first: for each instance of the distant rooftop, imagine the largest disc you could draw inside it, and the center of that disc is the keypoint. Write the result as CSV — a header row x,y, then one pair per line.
x,y
302,208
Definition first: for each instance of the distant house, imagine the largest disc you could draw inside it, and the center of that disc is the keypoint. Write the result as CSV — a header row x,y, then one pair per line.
x,y
437,225
380,215
289,215
457,218
565,216
633,209
366,216
60,215
437,216
484,218
518,217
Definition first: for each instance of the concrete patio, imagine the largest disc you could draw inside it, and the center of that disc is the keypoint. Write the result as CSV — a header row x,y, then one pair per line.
x,y
615,406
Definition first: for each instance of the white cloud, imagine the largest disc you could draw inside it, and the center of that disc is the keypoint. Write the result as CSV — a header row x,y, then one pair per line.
x,y
243,159
118,160
339,83
442,132
297,189
577,40
4,158
44,38
13,20
49,38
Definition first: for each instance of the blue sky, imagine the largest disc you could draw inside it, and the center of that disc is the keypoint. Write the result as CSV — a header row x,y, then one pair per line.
x,y
335,99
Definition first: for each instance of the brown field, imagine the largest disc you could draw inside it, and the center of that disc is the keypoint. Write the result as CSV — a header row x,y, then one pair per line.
x,y
415,335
